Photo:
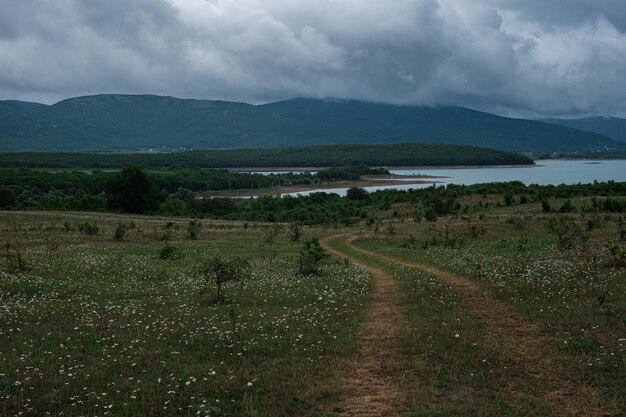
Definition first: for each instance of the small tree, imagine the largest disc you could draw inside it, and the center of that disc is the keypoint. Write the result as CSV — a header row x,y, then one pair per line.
x,y
568,235
218,271
617,253
356,193
193,229
295,230
567,207
430,215
120,231
311,254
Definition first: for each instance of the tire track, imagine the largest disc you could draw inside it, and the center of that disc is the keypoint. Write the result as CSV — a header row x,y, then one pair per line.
x,y
564,394
369,390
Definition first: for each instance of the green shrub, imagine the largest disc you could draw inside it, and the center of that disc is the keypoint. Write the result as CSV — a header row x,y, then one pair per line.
x,y
15,262
567,207
193,230
168,252
311,255
120,231
88,228
430,215
295,230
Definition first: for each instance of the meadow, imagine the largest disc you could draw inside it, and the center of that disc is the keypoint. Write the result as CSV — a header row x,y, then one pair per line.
x,y
91,325
561,277
507,309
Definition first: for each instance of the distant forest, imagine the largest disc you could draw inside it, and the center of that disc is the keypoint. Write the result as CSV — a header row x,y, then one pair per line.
x,y
410,154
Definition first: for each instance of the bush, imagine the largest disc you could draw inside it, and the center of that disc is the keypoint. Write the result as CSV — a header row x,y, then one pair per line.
x,y
409,243
613,205
430,215
120,231
617,253
295,230
15,262
567,207
88,228
193,229
568,235
168,252
310,257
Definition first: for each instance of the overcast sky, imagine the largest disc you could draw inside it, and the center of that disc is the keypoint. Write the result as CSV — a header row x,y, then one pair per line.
x,y
519,57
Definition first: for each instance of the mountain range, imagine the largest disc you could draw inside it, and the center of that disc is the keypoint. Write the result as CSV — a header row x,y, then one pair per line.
x,y
128,123
612,127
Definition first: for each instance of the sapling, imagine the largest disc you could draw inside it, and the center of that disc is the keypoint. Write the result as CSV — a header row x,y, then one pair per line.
x,y
310,257
219,270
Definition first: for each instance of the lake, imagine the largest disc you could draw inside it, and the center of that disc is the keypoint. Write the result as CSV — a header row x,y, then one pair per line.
x,y
546,172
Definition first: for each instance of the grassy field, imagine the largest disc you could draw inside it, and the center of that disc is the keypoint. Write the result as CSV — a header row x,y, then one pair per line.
x,y
573,296
506,311
93,326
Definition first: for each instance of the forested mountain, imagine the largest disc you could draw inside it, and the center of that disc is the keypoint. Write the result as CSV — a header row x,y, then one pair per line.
x,y
611,127
122,123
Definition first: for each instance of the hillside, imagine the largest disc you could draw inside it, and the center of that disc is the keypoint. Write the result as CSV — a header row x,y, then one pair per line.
x,y
612,127
455,125
127,123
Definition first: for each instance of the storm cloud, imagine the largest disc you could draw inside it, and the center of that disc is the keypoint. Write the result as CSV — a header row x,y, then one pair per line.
x,y
518,57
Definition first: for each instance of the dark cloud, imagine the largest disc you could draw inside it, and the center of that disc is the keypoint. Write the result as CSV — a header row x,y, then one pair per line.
x,y
528,57
554,14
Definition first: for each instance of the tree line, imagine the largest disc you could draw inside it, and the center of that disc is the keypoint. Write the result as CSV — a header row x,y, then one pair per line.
x,y
405,154
133,190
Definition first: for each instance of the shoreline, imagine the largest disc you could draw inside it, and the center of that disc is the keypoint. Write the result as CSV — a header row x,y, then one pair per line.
x,y
388,167
332,186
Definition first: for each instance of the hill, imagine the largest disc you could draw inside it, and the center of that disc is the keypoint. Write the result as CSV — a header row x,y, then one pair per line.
x,y
612,127
127,123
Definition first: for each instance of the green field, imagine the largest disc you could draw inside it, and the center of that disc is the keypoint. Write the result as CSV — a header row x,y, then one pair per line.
x,y
502,308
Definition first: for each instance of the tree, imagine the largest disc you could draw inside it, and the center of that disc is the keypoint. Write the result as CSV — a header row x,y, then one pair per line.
x,y
132,191
567,207
430,215
295,230
311,254
221,270
7,198
356,193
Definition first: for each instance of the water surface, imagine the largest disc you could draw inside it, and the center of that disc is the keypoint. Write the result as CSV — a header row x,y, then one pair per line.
x,y
546,172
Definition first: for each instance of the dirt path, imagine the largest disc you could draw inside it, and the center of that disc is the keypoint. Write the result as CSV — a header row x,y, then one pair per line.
x,y
563,393
368,390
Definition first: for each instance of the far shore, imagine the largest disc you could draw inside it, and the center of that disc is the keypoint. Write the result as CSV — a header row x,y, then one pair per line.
x,y
370,182
403,167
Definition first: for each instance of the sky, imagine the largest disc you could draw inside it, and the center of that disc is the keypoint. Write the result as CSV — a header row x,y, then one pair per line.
x,y
512,57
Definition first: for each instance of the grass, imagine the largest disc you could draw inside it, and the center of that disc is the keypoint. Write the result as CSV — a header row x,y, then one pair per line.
x,y
447,362
576,297
103,327
91,324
